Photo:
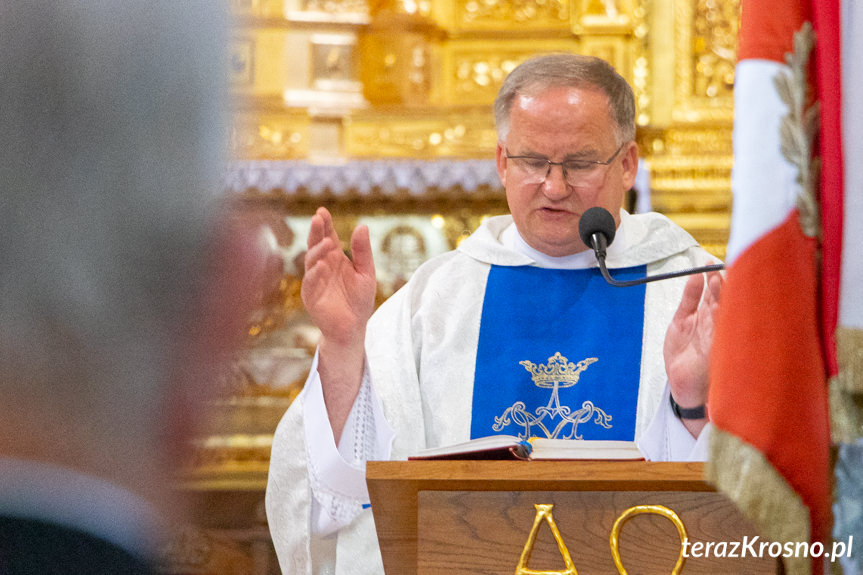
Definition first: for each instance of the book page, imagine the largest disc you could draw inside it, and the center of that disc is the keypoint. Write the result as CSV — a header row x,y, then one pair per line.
x,y
584,449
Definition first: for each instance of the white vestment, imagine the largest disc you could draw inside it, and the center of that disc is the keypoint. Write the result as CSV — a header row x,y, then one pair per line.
x,y
417,391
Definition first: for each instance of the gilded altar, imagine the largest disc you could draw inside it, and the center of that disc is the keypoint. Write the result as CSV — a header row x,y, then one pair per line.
x,y
381,110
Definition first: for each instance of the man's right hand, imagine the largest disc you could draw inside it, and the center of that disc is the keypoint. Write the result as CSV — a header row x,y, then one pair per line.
x,y
339,295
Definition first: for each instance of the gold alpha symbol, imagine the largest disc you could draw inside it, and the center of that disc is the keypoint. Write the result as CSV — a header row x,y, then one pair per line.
x,y
544,513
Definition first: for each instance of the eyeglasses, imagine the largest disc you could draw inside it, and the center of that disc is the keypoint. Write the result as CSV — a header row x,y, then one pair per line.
x,y
576,173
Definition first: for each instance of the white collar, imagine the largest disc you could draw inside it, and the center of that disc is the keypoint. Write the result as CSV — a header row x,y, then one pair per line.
x,y
640,239
512,239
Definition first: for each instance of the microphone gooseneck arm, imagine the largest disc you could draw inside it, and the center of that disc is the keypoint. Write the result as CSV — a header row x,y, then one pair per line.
x,y
647,279
597,230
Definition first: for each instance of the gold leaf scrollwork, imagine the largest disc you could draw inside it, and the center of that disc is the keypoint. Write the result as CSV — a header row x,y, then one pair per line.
x,y
544,513
614,538
800,127
531,12
714,47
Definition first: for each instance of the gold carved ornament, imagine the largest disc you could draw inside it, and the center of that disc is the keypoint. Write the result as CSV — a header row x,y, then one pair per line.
x,y
544,513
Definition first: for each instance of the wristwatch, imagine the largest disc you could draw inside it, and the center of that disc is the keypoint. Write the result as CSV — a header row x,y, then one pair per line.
x,y
699,412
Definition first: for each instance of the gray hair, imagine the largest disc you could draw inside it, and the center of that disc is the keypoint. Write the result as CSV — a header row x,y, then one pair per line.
x,y
568,70
111,116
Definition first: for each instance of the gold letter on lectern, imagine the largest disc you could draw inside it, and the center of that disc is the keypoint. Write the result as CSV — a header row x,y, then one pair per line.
x,y
543,513
614,538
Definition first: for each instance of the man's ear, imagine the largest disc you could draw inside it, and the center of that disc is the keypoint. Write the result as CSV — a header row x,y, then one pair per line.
x,y
500,156
629,162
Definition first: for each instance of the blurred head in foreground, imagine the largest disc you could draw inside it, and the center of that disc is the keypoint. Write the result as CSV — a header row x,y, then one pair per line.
x,y
120,294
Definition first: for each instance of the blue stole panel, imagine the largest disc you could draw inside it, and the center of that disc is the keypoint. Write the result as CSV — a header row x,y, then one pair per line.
x,y
559,354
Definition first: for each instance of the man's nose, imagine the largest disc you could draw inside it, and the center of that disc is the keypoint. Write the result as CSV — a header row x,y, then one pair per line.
x,y
554,187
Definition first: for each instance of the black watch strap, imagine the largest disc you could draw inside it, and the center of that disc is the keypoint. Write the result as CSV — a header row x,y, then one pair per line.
x,y
699,412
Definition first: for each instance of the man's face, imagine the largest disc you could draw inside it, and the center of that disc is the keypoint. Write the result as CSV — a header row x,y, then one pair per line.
x,y
563,124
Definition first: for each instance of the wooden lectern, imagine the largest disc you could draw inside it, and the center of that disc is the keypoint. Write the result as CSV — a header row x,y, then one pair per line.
x,y
477,517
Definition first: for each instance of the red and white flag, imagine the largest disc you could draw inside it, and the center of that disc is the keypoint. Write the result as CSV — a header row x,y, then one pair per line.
x,y
774,350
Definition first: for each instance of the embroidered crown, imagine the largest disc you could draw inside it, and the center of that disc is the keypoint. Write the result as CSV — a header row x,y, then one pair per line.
x,y
558,370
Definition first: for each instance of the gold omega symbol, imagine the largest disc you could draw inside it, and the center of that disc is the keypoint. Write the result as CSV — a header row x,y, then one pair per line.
x,y
614,538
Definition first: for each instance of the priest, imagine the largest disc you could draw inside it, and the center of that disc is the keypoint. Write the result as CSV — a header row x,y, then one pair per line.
x,y
513,332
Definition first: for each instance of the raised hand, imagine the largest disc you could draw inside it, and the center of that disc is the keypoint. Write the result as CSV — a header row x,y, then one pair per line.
x,y
688,341
339,295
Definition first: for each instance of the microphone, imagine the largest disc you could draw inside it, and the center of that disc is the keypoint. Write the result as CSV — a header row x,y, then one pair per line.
x,y
596,228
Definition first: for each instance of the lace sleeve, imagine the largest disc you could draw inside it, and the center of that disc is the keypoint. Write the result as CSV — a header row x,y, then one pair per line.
x,y
337,474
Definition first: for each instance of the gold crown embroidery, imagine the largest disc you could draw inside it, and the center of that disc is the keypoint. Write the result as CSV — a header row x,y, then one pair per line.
x,y
558,373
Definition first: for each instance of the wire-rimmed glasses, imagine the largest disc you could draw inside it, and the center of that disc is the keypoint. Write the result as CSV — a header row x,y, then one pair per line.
x,y
577,173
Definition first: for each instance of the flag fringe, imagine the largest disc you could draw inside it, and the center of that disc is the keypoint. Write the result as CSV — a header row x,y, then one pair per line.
x,y
760,492
846,387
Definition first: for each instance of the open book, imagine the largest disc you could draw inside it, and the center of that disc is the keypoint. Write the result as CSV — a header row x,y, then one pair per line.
x,y
511,447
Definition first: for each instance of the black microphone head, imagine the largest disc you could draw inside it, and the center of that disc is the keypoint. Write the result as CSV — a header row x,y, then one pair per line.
x,y
596,220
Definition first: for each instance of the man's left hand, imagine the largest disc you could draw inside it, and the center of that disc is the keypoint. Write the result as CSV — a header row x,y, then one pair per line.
x,y
688,341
